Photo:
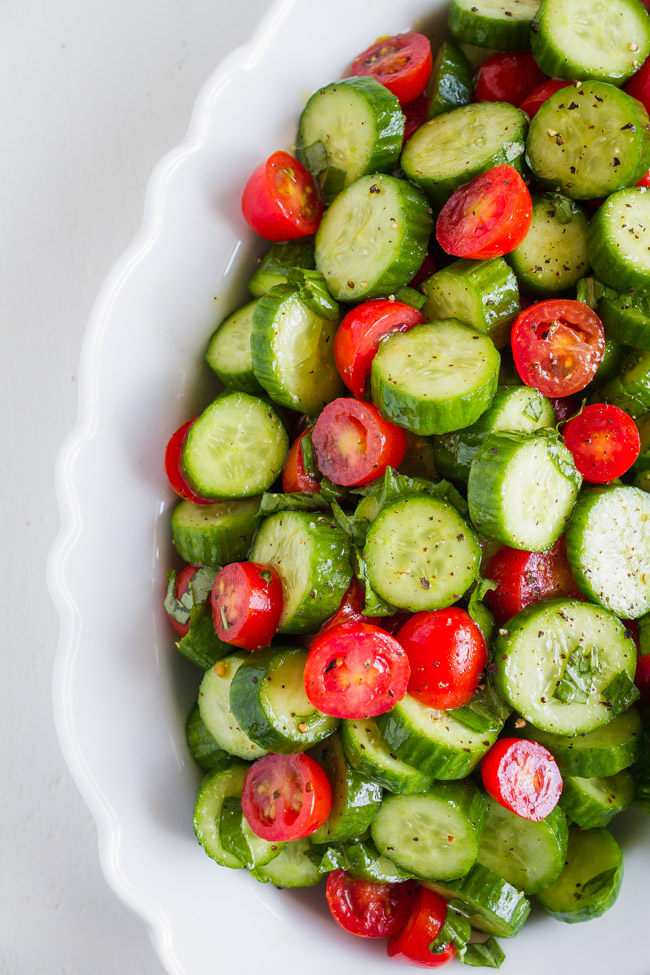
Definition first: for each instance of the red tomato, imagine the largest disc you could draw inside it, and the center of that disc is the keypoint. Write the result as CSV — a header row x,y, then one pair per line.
x,y
366,909
557,346
507,76
356,670
182,582
286,797
645,180
246,604
411,944
294,476
639,85
427,268
642,679
447,654
565,407
523,777
350,611
402,63
487,217
604,442
281,201
415,114
358,336
353,443
524,577
173,467
536,98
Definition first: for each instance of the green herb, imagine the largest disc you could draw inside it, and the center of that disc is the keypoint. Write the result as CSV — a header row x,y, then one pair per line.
x,y
456,931
642,790
353,526
201,584
576,684
197,593
621,693
299,501
596,884
486,712
533,408
313,292
373,604
589,291
490,954
394,485
332,492
315,157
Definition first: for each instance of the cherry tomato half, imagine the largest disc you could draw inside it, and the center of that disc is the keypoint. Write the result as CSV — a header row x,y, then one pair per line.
x,y
447,654
522,776
366,909
411,943
401,63
645,180
286,797
426,269
642,679
536,98
246,604
281,201
350,611
173,467
182,582
557,346
507,76
487,217
525,577
604,442
358,336
415,114
639,85
356,670
294,476
353,443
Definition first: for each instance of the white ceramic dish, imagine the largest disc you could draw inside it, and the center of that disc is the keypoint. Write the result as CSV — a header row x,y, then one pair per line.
x,y
121,694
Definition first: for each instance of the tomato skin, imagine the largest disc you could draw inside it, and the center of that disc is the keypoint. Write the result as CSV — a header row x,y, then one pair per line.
x,y
415,114
536,98
350,611
426,269
182,582
303,801
645,180
604,442
447,654
247,596
525,577
411,943
354,444
280,200
173,470
522,776
639,85
367,909
642,679
487,217
294,476
557,346
401,63
356,670
507,76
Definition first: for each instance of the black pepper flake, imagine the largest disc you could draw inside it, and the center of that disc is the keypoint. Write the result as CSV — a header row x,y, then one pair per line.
x,y
616,161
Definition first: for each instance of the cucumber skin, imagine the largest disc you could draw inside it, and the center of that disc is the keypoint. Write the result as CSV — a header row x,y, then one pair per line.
x,y
361,800
483,32
498,908
626,318
609,265
591,762
227,540
277,261
588,813
282,873
206,827
201,645
452,86
412,782
595,907
202,746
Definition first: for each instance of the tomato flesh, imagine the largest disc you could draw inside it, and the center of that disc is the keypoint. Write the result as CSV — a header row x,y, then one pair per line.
x,y
182,582
286,797
295,477
280,200
639,85
604,442
177,481
522,776
356,670
523,578
401,63
507,76
415,114
246,604
557,346
354,444
447,654
487,217
366,909
411,943
536,98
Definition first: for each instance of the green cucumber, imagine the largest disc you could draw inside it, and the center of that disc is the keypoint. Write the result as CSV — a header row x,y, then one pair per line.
x,y
215,534
493,905
501,24
215,789
229,351
594,802
237,838
591,879
451,80
619,239
214,707
355,798
366,751
626,317
552,257
363,861
201,645
203,748
599,753
642,463
274,266
292,868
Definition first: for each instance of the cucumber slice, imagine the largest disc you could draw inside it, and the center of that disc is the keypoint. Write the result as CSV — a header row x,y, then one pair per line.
x,y
602,752
588,141
269,702
420,553
451,80
452,148
214,707
553,255
642,463
292,868
203,748
483,294
557,661
278,261
612,358
521,489
366,751
229,351
501,24
235,449
594,802
355,799
237,838
614,391
435,835
313,559
603,39
215,789
364,862
619,239
591,880
626,318
608,545
201,645
348,129
494,905
373,238
634,378
436,377
529,855
215,534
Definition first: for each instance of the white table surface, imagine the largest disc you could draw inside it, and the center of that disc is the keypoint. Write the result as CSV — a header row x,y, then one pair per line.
x,y
92,94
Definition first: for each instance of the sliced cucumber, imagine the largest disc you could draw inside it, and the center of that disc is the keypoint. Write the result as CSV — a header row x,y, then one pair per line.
x,y
614,391
229,351
642,463
355,798
203,748
366,751
201,645
292,868
215,789
238,839
451,80
553,255
599,753
557,661
363,861
619,239
494,905
278,261
501,24
594,802
591,879
214,707
634,378
626,318
215,534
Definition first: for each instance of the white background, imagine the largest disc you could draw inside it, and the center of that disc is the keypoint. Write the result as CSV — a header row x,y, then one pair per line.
x,y
92,94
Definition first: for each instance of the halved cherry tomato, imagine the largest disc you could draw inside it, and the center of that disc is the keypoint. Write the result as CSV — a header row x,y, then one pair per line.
x,y
411,944
507,76
487,217
173,467
366,909
645,180
447,654
286,797
565,407
354,444
522,776
401,63
524,577
358,336
350,611
642,679
604,442
557,346
356,670
536,98
639,85
281,201
294,476
426,269
182,582
246,604
415,114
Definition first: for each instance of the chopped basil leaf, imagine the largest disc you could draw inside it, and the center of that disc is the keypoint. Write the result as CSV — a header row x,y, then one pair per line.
x,y
485,712
308,458
596,884
354,527
642,790
576,684
589,291
373,604
456,930
201,584
300,501
621,693
490,954
315,157
394,485
333,859
332,181
533,408
177,609
313,292
330,491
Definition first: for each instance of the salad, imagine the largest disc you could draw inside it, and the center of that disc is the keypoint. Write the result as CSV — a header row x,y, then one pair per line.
x,y
415,522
